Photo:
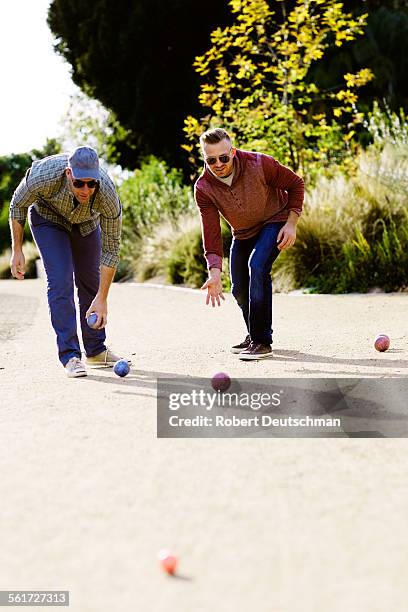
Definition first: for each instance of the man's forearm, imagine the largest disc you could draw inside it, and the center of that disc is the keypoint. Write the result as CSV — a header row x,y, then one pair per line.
x,y
107,275
17,235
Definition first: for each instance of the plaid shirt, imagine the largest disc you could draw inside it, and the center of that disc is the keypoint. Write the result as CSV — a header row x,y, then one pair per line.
x,y
46,186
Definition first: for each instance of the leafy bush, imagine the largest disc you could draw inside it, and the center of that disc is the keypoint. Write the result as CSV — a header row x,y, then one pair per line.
x,y
153,195
31,255
12,169
5,237
257,80
353,234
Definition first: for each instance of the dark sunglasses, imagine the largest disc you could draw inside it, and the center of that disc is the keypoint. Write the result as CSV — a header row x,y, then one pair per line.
x,y
77,183
224,159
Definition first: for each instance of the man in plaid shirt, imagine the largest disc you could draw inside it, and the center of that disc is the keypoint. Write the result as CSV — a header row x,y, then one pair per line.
x,y
75,217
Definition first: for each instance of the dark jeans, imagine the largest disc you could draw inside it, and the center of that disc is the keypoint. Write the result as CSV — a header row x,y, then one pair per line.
x,y
251,285
68,255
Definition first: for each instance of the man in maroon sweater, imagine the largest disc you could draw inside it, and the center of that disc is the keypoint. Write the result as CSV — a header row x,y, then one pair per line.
x,y
261,200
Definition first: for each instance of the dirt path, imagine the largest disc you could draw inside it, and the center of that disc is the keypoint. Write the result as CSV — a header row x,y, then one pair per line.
x,y
89,494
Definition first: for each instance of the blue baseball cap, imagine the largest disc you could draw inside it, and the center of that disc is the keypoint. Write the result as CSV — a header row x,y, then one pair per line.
x,y
84,163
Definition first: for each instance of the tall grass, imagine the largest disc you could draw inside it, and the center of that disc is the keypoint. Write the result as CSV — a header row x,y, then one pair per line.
x,y
174,253
160,249
354,233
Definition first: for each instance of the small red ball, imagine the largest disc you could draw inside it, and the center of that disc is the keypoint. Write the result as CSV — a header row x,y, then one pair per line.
x,y
382,343
168,561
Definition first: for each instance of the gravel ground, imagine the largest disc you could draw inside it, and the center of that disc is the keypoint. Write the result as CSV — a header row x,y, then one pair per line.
x,y
89,494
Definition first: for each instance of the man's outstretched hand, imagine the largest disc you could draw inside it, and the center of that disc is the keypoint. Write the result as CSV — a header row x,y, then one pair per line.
x,y
214,287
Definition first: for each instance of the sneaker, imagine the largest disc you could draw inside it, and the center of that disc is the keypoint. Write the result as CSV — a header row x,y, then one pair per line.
x,y
75,368
256,351
240,347
104,359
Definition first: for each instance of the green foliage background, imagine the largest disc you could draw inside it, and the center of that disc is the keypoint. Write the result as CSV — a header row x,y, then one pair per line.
x,y
353,235
12,169
136,57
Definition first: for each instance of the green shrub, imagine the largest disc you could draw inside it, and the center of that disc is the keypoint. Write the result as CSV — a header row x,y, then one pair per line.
x,y
153,194
377,260
31,255
353,234
156,247
186,263
12,169
5,238
152,197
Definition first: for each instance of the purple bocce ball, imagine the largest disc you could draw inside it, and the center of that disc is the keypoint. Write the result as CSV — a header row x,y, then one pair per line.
x,y
121,368
220,381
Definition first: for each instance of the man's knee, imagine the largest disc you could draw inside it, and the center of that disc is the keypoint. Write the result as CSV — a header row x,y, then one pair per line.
x,y
258,268
239,294
60,286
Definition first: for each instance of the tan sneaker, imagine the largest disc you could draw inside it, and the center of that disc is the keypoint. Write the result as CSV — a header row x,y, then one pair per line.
x,y
75,368
104,359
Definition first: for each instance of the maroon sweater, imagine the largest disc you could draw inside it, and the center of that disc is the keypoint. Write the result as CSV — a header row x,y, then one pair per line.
x,y
262,191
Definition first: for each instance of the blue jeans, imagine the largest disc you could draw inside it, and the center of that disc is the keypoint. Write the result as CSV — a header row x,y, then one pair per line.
x,y
68,255
251,285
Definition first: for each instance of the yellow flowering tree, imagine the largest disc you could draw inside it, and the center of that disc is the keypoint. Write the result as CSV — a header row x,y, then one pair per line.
x,y
256,81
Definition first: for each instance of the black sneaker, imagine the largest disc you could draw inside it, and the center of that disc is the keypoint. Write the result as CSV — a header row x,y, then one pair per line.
x,y
256,351
241,347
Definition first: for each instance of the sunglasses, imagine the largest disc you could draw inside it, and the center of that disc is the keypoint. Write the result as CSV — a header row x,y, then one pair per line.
x,y
77,183
224,159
